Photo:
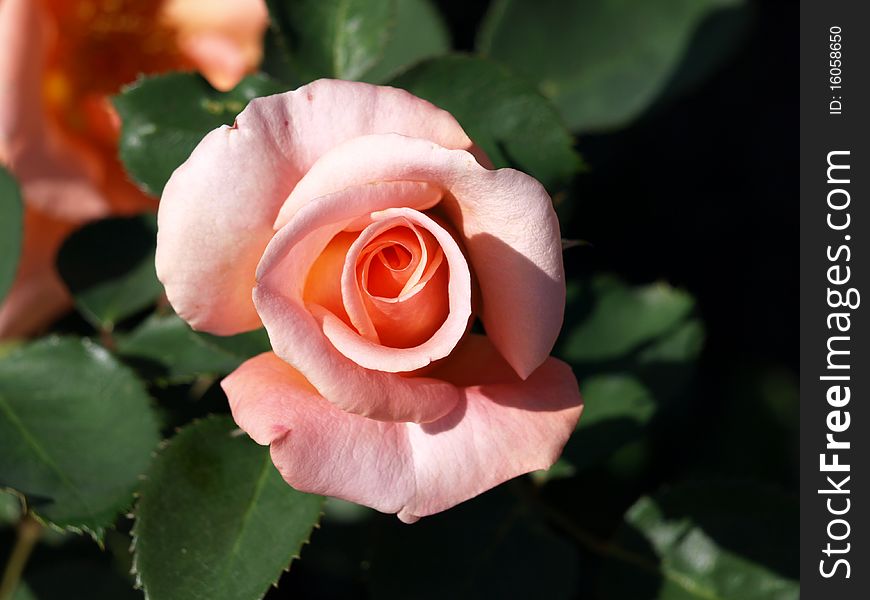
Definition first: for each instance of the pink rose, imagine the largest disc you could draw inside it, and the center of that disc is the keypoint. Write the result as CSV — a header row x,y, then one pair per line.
x,y
59,62
363,229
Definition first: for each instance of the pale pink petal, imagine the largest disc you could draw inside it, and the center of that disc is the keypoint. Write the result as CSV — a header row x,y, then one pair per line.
x,y
502,428
505,219
53,177
508,426
296,329
218,208
317,447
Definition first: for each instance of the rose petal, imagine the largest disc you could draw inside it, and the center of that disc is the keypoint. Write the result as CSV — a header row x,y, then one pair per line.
x,y
402,307
501,429
373,355
240,18
504,217
217,210
34,301
53,177
389,265
217,58
22,54
427,303
38,296
298,337
332,451
224,38
323,283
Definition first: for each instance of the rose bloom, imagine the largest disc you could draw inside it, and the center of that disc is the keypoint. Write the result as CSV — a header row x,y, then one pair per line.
x,y
363,228
60,60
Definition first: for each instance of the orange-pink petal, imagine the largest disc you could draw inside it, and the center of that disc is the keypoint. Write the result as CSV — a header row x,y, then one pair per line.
x,y
372,354
54,179
297,329
223,38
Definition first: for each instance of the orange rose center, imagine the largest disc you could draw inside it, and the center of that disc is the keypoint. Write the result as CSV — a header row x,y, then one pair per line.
x,y
400,277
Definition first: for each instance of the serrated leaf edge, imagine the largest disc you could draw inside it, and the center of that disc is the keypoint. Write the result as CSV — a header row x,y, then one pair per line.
x,y
134,535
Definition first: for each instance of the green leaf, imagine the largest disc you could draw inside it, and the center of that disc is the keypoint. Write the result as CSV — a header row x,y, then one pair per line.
x,y
616,396
23,592
108,266
163,118
492,546
617,319
332,38
419,33
76,432
634,350
561,469
718,37
167,346
11,230
707,541
9,345
617,408
506,116
215,520
602,62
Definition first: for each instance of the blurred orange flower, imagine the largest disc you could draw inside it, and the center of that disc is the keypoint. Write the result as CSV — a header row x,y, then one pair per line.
x,y
60,60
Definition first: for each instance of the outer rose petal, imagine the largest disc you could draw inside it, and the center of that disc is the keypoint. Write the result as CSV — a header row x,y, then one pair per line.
x,y
55,183
38,295
53,178
502,428
223,37
505,218
218,208
34,300
296,330
22,51
217,58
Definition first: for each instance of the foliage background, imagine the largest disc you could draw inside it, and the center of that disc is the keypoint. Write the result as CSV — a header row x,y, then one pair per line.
x,y
684,484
